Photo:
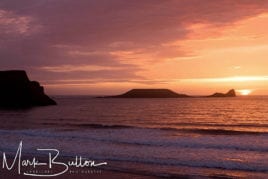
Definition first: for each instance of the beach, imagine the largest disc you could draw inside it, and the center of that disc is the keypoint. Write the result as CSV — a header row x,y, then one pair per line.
x,y
102,175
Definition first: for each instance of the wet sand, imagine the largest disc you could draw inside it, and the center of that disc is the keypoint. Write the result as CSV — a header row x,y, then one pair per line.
x,y
73,172
103,175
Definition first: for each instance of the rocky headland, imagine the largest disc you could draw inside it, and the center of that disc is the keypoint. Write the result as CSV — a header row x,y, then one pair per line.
x,y
17,91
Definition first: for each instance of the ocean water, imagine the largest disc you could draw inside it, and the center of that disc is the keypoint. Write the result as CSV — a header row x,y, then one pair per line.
x,y
197,137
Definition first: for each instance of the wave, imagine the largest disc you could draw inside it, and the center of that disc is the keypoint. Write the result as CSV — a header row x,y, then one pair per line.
x,y
204,131
150,138
90,126
242,125
102,126
215,131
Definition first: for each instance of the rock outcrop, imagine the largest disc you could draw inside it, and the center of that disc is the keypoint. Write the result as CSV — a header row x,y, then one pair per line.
x,y
150,93
230,93
17,91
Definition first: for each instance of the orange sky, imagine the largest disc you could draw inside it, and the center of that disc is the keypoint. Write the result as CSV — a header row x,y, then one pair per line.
x,y
193,47
221,58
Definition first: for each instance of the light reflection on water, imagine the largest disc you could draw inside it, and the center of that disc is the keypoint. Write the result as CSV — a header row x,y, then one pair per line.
x,y
241,113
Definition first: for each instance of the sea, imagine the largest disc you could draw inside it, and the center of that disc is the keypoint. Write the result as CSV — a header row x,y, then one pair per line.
x,y
169,138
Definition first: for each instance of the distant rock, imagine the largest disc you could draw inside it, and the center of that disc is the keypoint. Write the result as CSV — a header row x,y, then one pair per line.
x,y
150,93
230,93
164,93
17,91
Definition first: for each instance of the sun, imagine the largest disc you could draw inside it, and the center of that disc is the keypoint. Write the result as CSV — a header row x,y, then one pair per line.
x,y
245,92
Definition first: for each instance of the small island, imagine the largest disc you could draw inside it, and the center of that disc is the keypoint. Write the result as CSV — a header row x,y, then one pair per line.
x,y
17,91
165,93
150,93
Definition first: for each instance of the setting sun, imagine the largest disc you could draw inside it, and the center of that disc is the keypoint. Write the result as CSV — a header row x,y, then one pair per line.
x,y
244,92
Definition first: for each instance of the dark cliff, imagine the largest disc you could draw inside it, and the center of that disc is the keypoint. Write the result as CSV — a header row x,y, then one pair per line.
x,y
17,91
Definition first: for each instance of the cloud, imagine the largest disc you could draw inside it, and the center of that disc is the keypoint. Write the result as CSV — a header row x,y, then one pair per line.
x,y
12,24
228,79
70,68
117,38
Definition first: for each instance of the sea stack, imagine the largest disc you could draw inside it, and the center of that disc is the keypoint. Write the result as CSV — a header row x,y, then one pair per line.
x,y
230,93
150,93
17,91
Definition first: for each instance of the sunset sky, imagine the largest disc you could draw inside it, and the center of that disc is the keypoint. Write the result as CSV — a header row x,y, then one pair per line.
x,y
111,46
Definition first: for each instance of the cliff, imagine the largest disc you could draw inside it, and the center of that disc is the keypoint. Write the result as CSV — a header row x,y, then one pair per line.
x,y
150,93
17,91
230,93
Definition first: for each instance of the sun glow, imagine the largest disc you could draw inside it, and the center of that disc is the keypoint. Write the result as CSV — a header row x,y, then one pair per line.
x,y
229,79
244,92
